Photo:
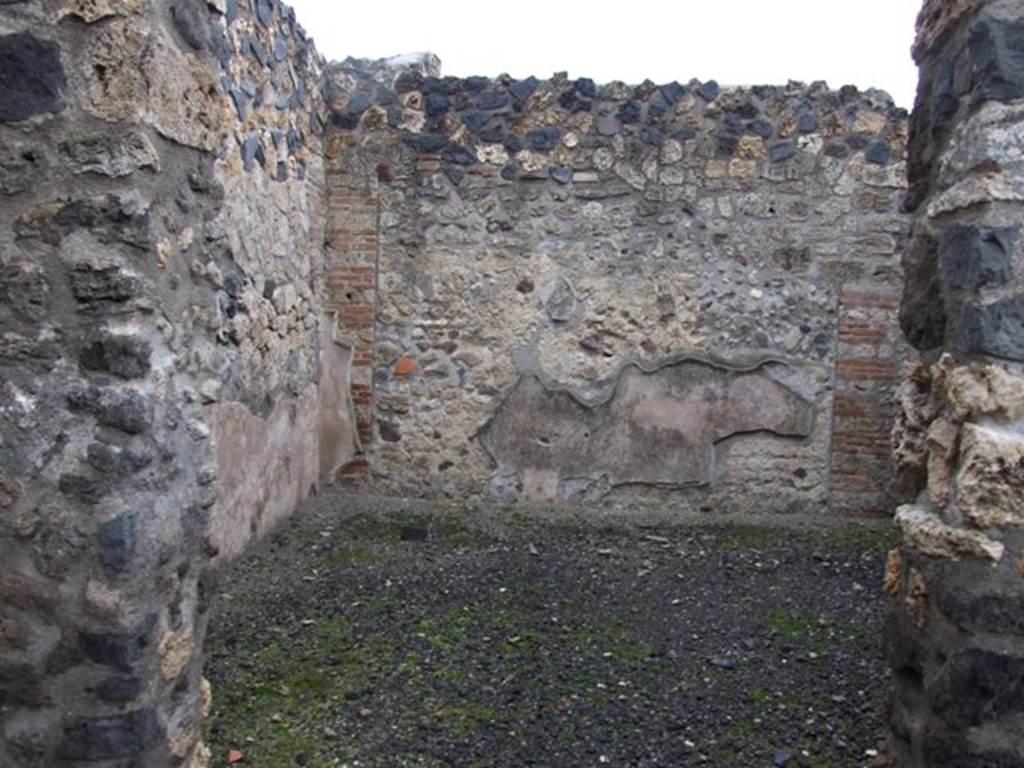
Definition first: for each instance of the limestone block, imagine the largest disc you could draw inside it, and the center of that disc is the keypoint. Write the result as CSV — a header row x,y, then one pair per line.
x,y
942,435
977,391
132,73
990,483
928,533
184,99
115,86
110,154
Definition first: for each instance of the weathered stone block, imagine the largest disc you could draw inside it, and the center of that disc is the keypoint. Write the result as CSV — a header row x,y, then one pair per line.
x,y
923,309
110,154
124,409
929,534
972,257
118,540
979,684
33,80
111,738
119,690
990,482
191,20
122,355
121,651
995,328
995,51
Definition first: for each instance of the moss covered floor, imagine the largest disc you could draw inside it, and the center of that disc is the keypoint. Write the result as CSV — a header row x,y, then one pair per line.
x,y
385,633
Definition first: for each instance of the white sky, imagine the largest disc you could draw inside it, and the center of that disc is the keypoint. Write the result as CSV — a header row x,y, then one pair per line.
x,y
736,42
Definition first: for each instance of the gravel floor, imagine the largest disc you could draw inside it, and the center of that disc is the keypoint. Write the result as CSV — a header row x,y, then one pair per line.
x,y
383,633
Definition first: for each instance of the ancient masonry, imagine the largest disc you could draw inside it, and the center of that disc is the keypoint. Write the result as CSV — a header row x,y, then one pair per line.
x,y
956,635
232,274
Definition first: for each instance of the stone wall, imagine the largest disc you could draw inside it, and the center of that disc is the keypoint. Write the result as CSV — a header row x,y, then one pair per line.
x,y
565,291
954,638
161,235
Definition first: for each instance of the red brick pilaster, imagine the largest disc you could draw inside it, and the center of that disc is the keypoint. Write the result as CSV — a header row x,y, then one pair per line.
x,y
352,257
866,373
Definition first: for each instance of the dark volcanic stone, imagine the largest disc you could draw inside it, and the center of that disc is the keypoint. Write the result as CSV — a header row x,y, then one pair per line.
x,y
123,409
475,119
427,142
708,91
256,48
280,49
90,286
652,136
491,100
781,152
191,22
807,123
982,611
995,49
746,110
252,153
359,103
727,143
878,153
32,78
973,257
119,690
761,128
544,139
436,104
231,11
523,89
124,356
111,738
980,685
458,155
923,310
117,463
265,11
629,113
560,174
994,329
84,489
512,143
672,92
586,88
241,101
118,650
118,540
389,432
475,84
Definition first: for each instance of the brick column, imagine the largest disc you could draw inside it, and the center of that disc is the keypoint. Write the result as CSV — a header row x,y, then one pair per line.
x,y
865,376
352,255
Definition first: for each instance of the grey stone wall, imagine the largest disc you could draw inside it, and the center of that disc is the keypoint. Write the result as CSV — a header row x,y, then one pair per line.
x,y
954,638
161,234
558,263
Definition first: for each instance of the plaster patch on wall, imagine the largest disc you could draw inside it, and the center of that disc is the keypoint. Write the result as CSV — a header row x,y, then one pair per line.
x,y
656,426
